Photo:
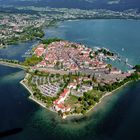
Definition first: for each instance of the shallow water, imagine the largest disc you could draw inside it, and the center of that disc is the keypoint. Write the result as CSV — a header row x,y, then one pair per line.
x,y
113,118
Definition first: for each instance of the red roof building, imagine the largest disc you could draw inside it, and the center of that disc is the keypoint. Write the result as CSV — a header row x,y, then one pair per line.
x,y
58,104
41,64
40,50
65,93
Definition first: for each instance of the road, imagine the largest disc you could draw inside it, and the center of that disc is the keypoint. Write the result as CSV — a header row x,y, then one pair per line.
x,y
51,70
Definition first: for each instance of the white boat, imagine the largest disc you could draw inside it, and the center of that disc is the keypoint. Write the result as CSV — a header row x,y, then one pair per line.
x,y
122,49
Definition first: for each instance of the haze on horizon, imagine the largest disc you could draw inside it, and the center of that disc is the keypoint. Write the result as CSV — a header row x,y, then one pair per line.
x,y
117,5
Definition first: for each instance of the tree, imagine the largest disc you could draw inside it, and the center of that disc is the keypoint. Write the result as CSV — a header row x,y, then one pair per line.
x,y
96,98
109,66
78,110
49,41
91,102
80,99
94,79
31,61
60,113
83,111
137,68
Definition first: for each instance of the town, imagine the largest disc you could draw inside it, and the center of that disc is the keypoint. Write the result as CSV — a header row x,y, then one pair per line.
x,y
27,23
15,28
70,78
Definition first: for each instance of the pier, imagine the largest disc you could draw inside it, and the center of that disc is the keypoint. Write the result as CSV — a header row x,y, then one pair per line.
x,y
129,65
124,60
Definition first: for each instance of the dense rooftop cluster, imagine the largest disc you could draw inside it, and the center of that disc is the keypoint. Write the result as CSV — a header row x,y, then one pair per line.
x,y
68,56
73,57
18,27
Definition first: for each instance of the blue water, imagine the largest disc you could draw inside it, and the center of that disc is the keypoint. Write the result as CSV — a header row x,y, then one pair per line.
x,y
112,34
16,51
116,118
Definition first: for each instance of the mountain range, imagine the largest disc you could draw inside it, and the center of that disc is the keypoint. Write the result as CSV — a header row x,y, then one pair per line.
x,y
116,5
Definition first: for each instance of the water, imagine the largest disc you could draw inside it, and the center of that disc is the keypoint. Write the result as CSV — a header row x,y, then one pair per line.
x,y
16,51
116,118
117,115
121,36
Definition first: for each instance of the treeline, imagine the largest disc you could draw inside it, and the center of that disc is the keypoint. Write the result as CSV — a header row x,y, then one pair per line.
x,y
31,61
137,68
10,61
28,33
38,95
92,97
88,100
111,87
49,41
34,32
104,51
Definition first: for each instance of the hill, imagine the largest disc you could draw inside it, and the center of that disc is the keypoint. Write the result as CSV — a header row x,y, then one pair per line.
x,y
117,5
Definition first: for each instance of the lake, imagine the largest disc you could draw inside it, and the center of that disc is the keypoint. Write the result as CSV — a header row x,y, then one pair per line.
x,y
116,118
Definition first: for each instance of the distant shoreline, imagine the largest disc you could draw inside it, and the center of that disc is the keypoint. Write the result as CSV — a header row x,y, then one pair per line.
x,y
67,20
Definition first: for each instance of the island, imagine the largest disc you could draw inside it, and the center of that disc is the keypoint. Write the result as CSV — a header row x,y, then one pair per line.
x,y
70,78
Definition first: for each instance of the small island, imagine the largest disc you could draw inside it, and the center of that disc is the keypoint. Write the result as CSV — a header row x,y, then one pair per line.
x,y
70,78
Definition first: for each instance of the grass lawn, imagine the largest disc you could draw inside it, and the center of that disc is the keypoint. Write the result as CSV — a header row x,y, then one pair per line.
x,y
95,91
72,100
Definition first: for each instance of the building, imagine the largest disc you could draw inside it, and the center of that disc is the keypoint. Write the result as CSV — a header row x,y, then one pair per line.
x,y
59,103
65,94
40,50
41,64
115,71
62,108
72,86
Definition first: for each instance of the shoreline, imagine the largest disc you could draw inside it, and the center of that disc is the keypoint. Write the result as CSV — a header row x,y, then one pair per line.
x,y
32,98
70,115
31,94
69,20
13,65
91,109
